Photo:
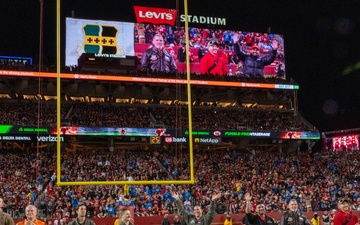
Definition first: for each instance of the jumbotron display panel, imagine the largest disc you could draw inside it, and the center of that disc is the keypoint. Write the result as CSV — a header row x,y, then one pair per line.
x,y
114,39
345,143
98,37
199,38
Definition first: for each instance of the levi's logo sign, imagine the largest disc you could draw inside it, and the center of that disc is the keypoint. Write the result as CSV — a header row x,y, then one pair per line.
x,y
155,15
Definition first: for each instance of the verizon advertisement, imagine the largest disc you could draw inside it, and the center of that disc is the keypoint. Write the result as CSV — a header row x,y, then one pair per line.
x,y
155,15
30,138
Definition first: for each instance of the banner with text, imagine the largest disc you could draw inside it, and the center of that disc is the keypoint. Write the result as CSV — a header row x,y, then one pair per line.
x,y
155,15
171,135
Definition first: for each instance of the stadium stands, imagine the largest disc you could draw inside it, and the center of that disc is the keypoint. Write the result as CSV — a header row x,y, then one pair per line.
x,y
274,179
24,112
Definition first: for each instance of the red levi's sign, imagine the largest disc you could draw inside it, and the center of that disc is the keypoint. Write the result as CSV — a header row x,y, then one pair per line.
x,y
155,15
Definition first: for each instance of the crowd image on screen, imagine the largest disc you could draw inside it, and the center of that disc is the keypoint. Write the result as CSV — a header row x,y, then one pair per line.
x,y
199,38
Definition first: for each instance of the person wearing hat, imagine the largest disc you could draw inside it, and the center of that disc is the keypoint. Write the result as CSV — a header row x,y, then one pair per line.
x,y
81,216
253,63
259,218
293,216
344,216
212,63
157,58
30,214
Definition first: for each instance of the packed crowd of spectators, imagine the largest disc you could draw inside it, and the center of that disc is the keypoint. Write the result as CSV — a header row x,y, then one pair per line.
x,y
316,180
23,175
30,112
115,165
29,177
25,112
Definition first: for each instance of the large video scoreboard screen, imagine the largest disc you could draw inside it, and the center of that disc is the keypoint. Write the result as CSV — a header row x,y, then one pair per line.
x,y
345,143
233,52
255,55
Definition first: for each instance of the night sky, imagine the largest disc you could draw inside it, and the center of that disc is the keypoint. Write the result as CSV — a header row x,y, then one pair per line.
x,y
321,42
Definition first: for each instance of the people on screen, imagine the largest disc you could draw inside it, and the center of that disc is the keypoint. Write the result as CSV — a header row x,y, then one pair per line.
x,y
253,62
212,63
157,58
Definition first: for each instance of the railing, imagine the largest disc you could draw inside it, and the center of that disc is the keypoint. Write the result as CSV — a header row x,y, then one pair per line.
x,y
15,214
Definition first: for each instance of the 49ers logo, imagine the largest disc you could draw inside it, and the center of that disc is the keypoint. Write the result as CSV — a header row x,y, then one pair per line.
x,y
155,15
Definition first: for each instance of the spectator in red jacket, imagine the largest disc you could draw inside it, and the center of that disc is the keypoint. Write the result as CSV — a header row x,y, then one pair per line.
x,y
211,63
344,216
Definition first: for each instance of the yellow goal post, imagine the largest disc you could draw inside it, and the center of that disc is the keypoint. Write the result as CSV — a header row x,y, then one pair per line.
x,y
58,121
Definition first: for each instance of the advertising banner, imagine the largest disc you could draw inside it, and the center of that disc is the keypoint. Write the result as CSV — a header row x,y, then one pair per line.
x,y
31,138
13,73
155,15
170,135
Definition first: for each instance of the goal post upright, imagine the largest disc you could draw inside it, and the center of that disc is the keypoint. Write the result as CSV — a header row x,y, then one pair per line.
x,y
192,179
58,94
58,123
